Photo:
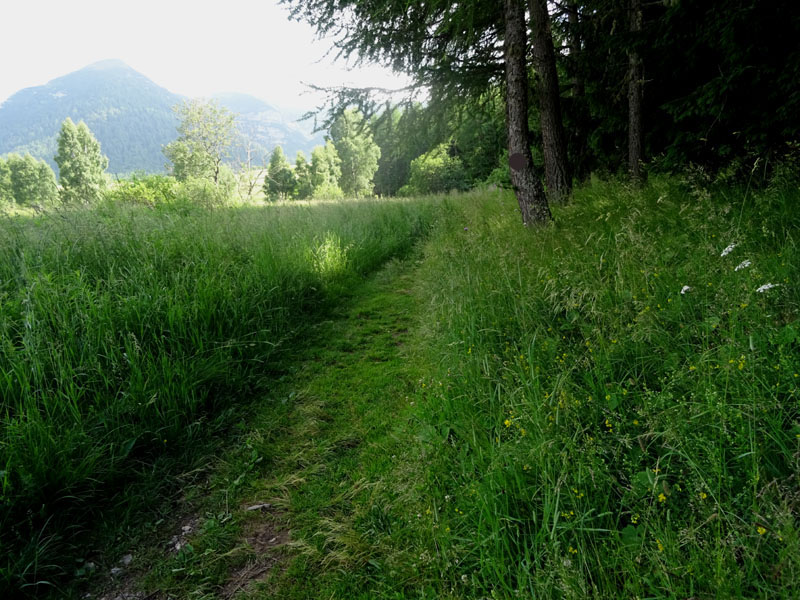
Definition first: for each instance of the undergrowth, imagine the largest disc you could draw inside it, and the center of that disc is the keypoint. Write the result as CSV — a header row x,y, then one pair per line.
x,y
614,407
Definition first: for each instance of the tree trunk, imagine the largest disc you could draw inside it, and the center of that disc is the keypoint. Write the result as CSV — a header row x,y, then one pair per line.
x,y
635,80
556,163
578,101
527,187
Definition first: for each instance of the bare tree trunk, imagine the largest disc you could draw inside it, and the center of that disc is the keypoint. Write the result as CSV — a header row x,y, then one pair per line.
x,y
528,188
556,163
635,79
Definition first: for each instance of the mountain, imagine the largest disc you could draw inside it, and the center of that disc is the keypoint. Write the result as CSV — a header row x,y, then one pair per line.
x,y
266,127
130,115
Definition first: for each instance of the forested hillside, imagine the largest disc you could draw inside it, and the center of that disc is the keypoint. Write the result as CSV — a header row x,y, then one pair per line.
x,y
131,116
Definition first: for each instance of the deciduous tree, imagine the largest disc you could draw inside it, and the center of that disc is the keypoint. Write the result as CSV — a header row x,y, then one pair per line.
x,y
358,152
81,164
280,179
205,135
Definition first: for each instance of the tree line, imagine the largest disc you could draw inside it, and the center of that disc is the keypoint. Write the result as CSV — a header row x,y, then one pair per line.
x,y
585,85
27,181
528,94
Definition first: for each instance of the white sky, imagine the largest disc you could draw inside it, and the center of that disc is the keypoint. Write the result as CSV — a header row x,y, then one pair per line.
x,y
190,47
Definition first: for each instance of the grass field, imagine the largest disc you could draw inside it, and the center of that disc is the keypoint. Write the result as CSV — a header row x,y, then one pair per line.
x,y
606,407
615,408
126,332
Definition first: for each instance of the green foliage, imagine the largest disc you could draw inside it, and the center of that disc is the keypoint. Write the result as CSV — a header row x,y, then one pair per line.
x,y
27,181
6,190
325,172
617,390
435,172
402,134
358,152
280,181
150,190
304,187
203,192
129,331
500,175
205,135
81,164
325,165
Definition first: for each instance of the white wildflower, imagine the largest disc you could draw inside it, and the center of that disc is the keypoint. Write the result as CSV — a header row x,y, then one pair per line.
x,y
729,249
685,289
767,286
743,265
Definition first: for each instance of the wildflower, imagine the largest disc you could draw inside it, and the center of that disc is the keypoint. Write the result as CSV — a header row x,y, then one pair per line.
x,y
743,265
507,423
761,530
660,545
685,289
662,497
692,368
636,421
729,249
572,550
635,519
767,286
703,495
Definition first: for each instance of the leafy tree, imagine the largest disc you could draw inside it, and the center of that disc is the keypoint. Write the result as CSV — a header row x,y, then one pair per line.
x,y
451,47
302,170
6,191
205,135
81,164
403,134
280,180
326,170
479,134
436,171
27,181
358,152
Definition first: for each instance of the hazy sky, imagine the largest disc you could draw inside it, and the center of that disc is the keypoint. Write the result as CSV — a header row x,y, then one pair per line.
x,y
193,48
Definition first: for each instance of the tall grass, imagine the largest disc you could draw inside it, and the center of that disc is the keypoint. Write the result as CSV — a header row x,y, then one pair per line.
x,y
123,328
615,409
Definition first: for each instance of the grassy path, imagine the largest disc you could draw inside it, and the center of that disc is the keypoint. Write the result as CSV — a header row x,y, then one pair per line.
x,y
298,509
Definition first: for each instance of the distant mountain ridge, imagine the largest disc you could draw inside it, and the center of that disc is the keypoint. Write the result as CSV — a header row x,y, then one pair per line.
x,y
131,116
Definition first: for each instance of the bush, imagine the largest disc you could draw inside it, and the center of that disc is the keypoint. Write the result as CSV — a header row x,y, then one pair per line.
x,y
435,172
150,190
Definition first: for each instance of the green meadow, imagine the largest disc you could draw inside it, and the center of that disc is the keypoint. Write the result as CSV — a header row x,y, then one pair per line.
x,y
430,400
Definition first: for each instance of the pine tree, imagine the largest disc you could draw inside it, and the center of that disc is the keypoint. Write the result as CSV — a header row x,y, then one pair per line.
x,y
81,164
